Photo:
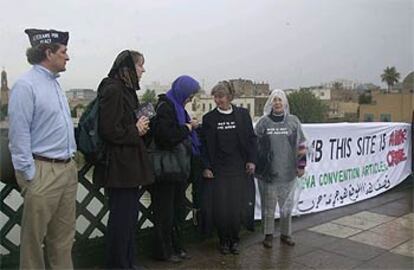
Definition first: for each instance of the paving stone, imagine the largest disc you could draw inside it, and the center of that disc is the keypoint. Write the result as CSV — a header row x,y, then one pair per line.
x,y
394,209
399,227
353,249
406,249
363,220
407,223
320,259
307,221
335,230
290,266
382,240
313,239
315,250
282,252
279,251
409,216
388,261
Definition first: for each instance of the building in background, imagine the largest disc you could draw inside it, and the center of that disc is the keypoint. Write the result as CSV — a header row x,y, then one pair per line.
x,y
202,104
396,106
342,102
320,92
157,87
78,100
80,96
345,84
364,87
248,94
249,88
343,105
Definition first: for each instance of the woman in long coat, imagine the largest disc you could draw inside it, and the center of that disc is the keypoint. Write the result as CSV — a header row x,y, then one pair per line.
x,y
229,159
127,165
282,157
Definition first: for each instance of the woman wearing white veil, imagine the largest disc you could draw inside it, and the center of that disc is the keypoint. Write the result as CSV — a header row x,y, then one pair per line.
x,y
282,157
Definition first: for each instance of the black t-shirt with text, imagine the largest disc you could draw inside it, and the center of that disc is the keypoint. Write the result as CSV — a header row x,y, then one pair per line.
x,y
228,146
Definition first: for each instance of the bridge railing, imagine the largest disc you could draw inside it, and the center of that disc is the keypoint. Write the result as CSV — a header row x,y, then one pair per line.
x,y
91,210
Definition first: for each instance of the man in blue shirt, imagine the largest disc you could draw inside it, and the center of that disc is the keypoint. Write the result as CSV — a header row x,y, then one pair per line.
x,y
42,145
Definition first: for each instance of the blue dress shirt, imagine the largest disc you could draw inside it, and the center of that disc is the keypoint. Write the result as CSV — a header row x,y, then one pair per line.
x,y
39,121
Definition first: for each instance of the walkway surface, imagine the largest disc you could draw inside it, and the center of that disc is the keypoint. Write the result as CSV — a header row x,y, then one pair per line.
x,y
377,233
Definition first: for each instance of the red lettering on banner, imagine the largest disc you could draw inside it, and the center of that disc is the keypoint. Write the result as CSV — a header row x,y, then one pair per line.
x,y
398,137
394,157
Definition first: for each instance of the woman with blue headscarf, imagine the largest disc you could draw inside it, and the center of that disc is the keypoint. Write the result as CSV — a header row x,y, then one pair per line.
x,y
172,126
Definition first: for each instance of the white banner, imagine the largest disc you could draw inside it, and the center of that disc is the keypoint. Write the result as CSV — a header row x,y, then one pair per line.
x,y
351,162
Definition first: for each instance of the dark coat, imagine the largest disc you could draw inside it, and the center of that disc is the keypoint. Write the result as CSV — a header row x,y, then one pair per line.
x,y
128,162
246,135
247,139
165,128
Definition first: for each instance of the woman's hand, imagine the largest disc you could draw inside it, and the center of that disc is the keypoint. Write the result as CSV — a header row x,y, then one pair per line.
x,y
301,152
300,172
207,173
142,125
189,126
194,123
250,168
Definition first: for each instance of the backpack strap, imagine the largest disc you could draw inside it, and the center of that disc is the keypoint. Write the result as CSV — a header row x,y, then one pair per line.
x,y
159,105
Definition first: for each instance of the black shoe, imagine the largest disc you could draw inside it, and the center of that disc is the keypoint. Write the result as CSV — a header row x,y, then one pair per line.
x,y
287,240
235,248
174,259
268,241
224,248
183,255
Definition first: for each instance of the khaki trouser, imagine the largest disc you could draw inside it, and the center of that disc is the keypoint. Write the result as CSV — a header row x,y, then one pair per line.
x,y
49,215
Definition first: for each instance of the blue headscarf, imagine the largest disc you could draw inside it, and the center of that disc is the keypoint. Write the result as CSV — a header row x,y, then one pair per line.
x,y
182,88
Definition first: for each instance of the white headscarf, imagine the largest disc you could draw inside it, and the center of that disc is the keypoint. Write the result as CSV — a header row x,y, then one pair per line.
x,y
269,103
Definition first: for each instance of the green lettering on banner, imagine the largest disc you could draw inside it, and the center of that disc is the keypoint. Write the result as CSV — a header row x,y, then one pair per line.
x,y
339,176
308,181
374,168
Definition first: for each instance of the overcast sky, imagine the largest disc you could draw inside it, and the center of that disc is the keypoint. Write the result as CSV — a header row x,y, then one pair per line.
x,y
288,43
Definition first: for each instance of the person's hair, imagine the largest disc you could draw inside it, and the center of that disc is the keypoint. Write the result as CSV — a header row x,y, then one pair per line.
x,y
37,54
224,88
136,56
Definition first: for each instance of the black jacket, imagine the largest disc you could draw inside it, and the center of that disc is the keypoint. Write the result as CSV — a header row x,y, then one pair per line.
x,y
246,135
165,129
247,139
128,162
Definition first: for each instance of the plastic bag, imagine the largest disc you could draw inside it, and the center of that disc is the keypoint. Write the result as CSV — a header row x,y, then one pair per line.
x,y
292,199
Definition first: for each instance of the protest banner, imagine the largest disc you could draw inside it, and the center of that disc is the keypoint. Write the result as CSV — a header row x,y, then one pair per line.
x,y
351,162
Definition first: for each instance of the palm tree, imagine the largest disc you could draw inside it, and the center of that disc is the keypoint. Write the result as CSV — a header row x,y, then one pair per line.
x,y
390,77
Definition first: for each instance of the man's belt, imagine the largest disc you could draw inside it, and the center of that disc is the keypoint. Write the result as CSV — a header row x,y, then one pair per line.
x,y
53,160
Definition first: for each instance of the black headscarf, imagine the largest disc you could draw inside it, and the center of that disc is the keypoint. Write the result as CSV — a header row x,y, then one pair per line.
x,y
124,70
